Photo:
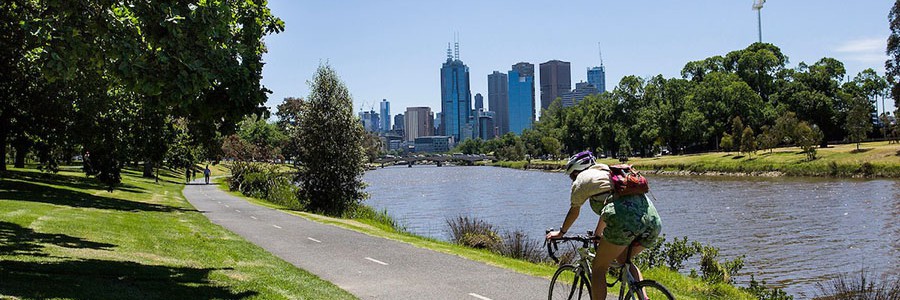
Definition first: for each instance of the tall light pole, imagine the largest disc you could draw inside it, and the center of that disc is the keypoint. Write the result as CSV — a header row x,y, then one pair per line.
x,y
757,6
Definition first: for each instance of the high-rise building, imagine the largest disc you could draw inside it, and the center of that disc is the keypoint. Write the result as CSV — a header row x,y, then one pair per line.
x,y
419,121
521,97
456,99
582,89
479,102
596,76
398,124
498,100
385,115
370,121
556,79
486,125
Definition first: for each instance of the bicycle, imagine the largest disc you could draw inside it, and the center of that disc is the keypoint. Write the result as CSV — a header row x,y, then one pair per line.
x,y
579,274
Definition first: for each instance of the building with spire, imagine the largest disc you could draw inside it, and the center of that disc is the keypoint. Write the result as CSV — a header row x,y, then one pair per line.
x,y
456,98
596,76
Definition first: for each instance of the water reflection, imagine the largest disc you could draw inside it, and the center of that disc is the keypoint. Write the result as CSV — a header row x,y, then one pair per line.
x,y
794,231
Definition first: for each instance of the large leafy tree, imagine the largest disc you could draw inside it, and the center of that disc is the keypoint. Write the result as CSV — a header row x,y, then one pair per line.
x,y
757,65
892,65
330,160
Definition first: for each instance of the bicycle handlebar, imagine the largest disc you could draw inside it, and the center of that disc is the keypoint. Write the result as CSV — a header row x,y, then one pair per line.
x,y
552,244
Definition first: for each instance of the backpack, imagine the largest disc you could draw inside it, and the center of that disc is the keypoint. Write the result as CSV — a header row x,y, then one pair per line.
x,y
627,181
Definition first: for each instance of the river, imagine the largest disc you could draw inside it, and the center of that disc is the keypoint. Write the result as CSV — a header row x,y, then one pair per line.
x,y
794,232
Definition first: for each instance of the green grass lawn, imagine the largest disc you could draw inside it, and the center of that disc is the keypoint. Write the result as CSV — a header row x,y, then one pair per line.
x,y
682,286
63,236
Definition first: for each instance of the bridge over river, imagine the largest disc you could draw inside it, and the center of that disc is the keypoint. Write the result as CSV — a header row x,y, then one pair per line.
x,y
438,159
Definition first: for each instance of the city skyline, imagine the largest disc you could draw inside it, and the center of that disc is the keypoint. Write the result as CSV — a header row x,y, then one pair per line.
x,y
396,57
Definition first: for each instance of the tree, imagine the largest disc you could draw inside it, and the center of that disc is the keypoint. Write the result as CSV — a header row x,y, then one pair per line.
x,y
727,142
737,129
892,65
807,138
748,141
757,65
786,128
470,146
330,158
767,139
551,146
859,120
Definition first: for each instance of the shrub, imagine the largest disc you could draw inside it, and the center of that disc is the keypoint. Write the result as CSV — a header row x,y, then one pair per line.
x,y
715,272
474,233
365,212
863,286
764,293
517,245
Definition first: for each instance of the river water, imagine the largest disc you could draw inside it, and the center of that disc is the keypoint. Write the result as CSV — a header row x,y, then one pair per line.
x,y
794,232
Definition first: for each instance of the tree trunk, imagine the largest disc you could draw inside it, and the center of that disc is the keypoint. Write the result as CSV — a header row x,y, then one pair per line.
x,y
148,169
3,133
21,151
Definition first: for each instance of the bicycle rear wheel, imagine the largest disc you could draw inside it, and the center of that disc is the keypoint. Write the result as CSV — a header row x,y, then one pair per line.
x,y
569,284
655,291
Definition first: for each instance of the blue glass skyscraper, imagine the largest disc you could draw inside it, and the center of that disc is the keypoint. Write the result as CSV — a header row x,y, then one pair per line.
x,y
521,97
456,99
385,115
596,76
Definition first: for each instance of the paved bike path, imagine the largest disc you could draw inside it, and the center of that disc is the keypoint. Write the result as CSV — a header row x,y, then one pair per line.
x,y
366,266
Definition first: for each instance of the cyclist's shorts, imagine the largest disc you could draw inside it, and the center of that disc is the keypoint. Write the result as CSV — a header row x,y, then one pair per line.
x,y
628,216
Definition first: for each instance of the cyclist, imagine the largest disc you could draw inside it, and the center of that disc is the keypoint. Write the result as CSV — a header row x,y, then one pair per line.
x,y
623,219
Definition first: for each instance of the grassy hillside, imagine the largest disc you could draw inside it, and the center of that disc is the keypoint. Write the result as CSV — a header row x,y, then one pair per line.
x,y
63,236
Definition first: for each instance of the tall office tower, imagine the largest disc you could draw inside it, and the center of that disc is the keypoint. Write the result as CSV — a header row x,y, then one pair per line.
x,y
486,125
370,121
556,79
498,100
456,99
438,127
419,122
521,97
398,125
385,115
596,76
582,89
479,102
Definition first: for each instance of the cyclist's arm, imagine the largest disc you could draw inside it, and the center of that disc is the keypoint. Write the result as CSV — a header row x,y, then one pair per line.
x,y
570,218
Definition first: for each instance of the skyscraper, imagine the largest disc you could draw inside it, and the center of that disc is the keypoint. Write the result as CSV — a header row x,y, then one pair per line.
x,y
556,79
456,99
486,125
596,76
419,121
385,115
521,97
498,100
398,124
479,102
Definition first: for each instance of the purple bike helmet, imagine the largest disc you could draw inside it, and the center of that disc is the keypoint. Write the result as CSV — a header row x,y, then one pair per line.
x,y
579,162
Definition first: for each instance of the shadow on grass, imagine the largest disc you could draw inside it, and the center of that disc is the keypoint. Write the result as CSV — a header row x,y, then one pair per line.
x,y
82,183
18,240
101,279
738,157
31,192
863,150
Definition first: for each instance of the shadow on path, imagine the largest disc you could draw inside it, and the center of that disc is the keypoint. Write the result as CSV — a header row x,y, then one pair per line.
x,y
101,279
18,240
31,192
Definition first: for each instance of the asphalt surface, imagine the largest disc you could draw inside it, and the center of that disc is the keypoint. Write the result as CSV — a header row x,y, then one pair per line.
x,y
366,266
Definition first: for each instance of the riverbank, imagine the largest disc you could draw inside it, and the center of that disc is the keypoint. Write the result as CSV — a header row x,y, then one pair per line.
x,y
63,236
682,286
872,160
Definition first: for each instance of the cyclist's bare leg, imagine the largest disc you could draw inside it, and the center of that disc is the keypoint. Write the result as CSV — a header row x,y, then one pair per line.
x,y
635,272
606,252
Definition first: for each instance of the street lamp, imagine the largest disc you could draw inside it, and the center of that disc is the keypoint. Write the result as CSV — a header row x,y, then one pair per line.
x,y
757,6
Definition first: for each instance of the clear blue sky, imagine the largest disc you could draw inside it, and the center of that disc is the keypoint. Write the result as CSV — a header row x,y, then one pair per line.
x,y
394,49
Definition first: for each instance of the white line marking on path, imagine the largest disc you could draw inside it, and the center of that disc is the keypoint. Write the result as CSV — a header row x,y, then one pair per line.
x,y
226,205
237,210
220,202
314,240
479,296
276,226
377,261
252,217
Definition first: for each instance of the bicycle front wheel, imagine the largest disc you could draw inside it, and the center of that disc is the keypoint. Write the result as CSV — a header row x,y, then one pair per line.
x,y
568,283
653,289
